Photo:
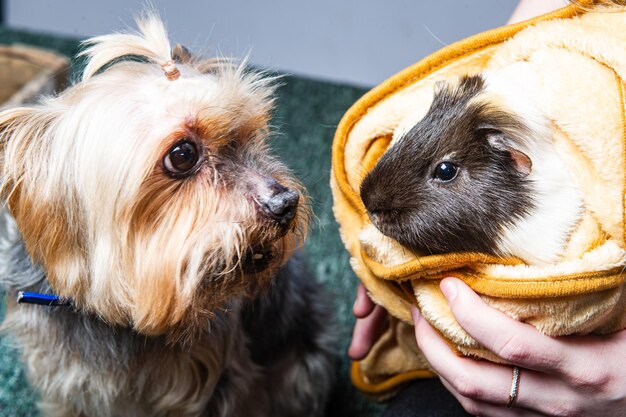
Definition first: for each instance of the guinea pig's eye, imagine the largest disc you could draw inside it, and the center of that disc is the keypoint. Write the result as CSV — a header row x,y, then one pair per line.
x,y
182,159
446,171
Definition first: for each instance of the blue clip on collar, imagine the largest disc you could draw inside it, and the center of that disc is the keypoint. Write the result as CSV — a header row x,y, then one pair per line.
x,y
50,300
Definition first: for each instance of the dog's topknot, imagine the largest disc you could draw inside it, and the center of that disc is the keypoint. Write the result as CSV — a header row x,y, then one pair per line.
x,y
151,43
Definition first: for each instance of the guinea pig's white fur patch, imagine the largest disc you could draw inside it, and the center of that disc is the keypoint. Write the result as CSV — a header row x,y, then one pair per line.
x,y
541,236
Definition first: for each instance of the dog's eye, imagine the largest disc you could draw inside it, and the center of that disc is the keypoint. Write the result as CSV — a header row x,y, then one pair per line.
x,y
182,158
446,171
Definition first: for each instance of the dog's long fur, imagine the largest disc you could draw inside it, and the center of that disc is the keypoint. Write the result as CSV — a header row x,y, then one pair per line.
x,y
173,279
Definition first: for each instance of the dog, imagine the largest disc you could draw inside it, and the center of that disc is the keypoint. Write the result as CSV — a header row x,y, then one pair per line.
x,y
144,206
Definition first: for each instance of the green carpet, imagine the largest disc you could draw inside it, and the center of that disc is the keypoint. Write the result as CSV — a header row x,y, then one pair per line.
x,y
308,112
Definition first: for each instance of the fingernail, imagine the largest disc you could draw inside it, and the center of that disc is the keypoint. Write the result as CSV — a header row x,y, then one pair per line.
x,y
416,314
449,289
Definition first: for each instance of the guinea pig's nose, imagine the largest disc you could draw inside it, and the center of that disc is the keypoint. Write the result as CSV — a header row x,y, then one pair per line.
x,y
371,200
281,204
374,200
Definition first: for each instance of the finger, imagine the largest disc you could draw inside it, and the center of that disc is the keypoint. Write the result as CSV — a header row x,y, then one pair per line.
x,y
366,332
481,408
513,341
484,381
363,305
557,405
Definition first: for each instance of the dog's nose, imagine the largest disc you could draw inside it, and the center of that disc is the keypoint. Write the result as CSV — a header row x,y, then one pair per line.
x,y
282,204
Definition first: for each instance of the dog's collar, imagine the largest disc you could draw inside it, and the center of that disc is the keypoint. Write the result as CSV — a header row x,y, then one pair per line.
x,y
50,300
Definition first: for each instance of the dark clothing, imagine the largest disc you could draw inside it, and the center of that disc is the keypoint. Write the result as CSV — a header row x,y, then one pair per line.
x,y
424,398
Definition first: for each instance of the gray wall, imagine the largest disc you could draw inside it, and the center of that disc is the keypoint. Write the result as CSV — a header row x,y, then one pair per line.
x,y
359,42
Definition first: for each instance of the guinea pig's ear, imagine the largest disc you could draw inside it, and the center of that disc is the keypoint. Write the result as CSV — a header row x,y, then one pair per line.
x,y
521,162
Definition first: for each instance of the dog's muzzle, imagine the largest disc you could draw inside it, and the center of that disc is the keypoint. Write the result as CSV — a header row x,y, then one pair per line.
x,y
258,258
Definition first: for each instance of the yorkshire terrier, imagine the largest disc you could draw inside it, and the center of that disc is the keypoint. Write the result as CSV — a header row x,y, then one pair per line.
x,y
144,207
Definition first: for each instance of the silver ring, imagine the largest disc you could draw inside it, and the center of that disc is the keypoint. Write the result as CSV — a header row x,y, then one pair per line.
x,y
514,387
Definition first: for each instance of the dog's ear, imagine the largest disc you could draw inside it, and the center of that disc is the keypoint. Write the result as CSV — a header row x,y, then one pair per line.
x,y
22,134
521,162
212,65
181,54
11,121
12,117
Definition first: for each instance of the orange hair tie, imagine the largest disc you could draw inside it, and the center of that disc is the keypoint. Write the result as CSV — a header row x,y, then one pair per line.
x,y
171,71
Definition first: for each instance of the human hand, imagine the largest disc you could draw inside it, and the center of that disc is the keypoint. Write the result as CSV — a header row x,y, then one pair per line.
x,y
371,323
564,376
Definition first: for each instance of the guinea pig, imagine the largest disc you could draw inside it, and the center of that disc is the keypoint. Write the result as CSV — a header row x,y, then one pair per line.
x,y
478,173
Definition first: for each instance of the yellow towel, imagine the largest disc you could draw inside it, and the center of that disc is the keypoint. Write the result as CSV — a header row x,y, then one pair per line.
x,y
577,59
